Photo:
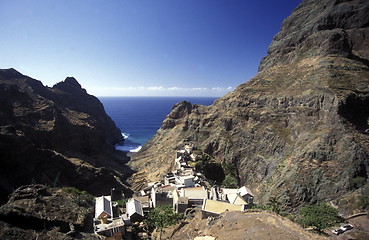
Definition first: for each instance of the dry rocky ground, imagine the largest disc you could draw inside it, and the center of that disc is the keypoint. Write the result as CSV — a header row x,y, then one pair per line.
x,y
260,225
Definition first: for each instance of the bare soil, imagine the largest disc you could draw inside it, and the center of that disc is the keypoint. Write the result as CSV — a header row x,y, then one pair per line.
x,y
260,225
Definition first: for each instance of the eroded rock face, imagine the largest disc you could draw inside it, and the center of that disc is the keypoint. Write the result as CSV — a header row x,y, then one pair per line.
x,y
35,211
299,129
60,136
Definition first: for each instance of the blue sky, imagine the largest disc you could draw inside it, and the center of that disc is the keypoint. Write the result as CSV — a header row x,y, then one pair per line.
x,y
140,47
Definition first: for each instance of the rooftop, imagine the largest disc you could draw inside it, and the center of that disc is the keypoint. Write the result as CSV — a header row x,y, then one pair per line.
x,y
117,222
194,193
219,207
103,205
134,206
244,190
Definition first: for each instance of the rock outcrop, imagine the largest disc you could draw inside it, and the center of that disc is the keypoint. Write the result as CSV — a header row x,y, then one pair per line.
x,y
299,129
39,212
59,136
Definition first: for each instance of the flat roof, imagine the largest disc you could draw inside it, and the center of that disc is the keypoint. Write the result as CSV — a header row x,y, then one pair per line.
x,y
219,207
194,193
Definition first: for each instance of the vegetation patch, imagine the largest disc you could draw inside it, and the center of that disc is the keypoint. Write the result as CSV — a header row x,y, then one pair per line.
x,y
319,216
74,191
162,217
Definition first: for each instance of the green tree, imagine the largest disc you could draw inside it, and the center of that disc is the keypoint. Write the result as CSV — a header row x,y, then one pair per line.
x,y
161,217
230,181
319,216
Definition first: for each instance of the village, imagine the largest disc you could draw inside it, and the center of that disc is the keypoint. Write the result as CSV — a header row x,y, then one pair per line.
x,y
184,189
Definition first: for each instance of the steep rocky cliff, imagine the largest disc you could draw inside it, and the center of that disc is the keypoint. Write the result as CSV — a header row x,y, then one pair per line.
x,y
60,136
299,129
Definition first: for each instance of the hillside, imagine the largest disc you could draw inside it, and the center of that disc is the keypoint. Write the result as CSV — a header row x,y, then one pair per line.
x,y
59,136
243,225
299,129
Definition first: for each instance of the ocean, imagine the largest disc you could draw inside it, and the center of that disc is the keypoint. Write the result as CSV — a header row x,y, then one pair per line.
x,y
139,118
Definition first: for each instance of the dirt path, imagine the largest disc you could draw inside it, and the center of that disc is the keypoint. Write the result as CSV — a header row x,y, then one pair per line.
x,y
360,231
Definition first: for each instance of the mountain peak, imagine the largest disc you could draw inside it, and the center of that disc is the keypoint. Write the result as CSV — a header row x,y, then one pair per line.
x,y
10,73
70,84
72,81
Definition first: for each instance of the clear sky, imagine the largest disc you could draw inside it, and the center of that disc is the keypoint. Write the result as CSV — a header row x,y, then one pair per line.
x,y
140,47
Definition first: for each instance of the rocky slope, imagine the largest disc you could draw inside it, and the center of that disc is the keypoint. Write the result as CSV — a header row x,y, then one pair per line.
x,y
60,136
260,225
38,212
299,129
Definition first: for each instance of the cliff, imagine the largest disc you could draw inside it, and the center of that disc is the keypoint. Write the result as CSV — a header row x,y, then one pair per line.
x,y
59,136
299,129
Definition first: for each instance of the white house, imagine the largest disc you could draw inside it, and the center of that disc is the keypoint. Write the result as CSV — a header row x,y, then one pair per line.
x,y
185,181
246,194
195,195
134,210
104,223
103,208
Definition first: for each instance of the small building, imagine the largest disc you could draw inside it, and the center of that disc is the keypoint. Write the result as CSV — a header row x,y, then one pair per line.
x,y
195,195
162,195
246,194
104,222
169,179
134,210
227,191
235,198
145,202
180,204
113,227
180,153
185,181
103,208
188,149
214,208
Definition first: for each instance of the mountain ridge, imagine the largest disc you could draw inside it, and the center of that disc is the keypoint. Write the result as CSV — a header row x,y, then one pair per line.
x,y
59,136
297,130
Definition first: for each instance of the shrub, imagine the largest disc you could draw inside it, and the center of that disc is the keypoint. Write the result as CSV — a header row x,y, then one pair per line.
x,y
161,217
363,202
230,181
74,191
273,205
122,202
358,182
319,216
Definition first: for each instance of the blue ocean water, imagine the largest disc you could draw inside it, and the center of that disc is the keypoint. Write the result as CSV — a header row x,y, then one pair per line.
x,y
139,118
